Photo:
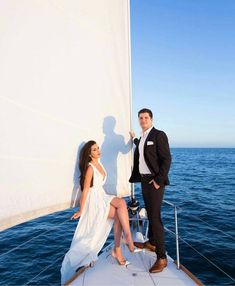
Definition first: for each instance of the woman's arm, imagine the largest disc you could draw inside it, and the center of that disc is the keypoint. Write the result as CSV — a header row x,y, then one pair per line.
x,y
86,188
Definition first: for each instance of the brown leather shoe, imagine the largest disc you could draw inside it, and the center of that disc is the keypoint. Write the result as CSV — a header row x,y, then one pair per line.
x,y
146,245
159,265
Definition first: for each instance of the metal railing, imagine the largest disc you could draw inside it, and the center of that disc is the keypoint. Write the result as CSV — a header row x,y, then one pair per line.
x,y
178,237
176,232
137,219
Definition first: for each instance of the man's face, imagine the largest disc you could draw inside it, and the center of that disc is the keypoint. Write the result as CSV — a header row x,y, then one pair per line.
x,y
145,121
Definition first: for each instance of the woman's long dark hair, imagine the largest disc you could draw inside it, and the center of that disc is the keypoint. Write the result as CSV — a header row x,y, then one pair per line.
x,y
84,160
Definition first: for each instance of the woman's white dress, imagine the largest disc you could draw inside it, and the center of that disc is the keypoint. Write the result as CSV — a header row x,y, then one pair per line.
x,y
92,230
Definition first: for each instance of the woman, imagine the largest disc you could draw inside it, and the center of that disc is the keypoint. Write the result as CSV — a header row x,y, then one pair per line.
x,y
98,211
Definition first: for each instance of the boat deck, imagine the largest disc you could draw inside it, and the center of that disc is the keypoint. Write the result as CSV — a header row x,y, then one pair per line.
x,y
106,271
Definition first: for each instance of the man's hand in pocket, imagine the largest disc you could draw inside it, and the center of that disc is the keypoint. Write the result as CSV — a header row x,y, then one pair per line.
x,y
156,186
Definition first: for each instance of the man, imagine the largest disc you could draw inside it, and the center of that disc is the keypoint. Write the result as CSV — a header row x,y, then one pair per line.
x,y
152,160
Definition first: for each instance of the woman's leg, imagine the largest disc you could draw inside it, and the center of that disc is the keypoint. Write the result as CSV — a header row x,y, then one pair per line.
x,y
121,208
117,229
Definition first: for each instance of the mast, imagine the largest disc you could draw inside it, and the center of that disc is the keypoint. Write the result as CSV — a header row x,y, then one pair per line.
x,y
130,85
133,203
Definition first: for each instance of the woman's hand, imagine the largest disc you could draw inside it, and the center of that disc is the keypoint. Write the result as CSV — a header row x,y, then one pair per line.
x,y
132,134
76,215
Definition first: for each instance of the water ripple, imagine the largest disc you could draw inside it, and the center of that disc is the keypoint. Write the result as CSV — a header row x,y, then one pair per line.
x,y
203,184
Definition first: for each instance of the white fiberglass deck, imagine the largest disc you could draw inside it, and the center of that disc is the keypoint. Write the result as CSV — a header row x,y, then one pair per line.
x,y
106,271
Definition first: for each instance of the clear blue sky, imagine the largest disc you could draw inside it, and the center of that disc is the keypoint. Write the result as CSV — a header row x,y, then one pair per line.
x,y
183,68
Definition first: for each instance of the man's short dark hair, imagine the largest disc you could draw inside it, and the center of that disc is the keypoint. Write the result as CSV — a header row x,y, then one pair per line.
x,y
146,110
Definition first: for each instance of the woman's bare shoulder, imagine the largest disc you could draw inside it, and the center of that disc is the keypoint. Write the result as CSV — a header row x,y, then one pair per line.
x,y
89,171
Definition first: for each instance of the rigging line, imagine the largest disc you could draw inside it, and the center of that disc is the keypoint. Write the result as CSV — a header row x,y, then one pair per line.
x,y
211,226
11,250
83,278
185,232
182,211
44,269
211,262
208,260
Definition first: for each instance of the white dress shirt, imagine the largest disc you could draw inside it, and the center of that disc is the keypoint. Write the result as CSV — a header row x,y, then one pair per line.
x,y
143,168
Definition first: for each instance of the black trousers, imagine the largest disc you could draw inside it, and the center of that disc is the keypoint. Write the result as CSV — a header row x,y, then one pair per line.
x,y
153,201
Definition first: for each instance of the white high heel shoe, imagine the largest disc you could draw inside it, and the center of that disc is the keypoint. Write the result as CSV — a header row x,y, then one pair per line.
x,y
122,262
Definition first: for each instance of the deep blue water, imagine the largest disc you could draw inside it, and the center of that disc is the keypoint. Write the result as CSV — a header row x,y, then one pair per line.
x,y
202,185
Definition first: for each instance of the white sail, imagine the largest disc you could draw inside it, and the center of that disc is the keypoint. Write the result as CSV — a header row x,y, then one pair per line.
x,y
64,79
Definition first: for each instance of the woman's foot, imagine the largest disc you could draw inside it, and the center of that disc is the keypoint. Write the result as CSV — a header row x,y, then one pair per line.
x,y
117,254
130,244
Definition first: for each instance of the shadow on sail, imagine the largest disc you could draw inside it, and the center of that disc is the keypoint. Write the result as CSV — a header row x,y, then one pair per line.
x,y
112,146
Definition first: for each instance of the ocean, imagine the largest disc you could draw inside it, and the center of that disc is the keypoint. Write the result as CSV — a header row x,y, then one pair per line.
x,y
202,186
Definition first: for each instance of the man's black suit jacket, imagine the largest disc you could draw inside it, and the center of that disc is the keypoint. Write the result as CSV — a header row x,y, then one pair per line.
x,y
157,157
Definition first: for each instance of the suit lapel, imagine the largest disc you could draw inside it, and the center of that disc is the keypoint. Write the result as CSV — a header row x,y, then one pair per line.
x,y
145,143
